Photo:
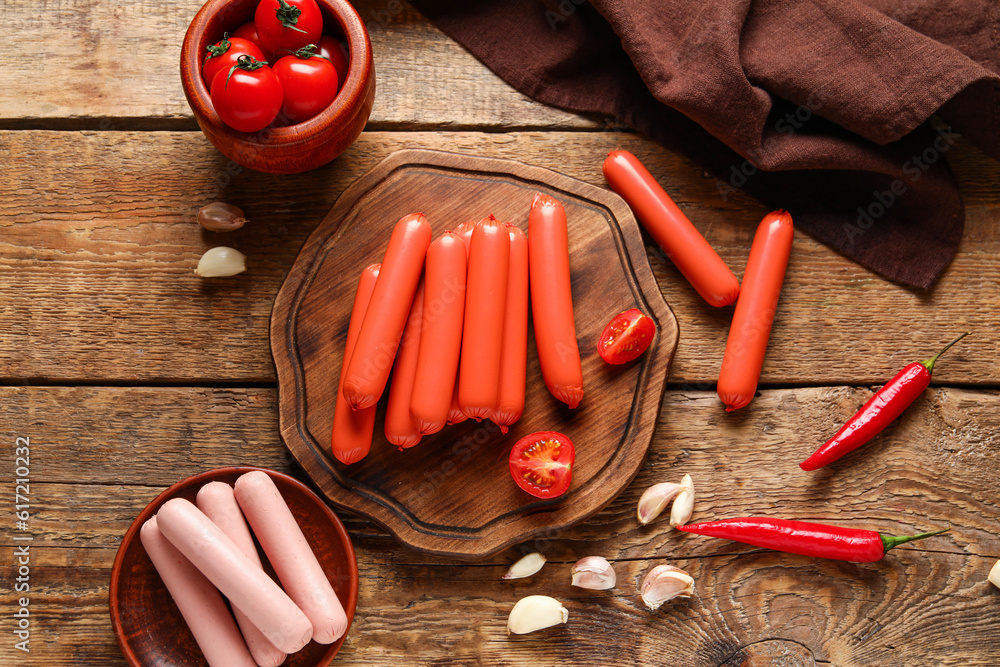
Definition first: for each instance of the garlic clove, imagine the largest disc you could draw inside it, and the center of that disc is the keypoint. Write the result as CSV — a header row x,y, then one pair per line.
x,y
683,506
655,499
535,612
995,574
220,262
221,217
663,583
594,573
526,566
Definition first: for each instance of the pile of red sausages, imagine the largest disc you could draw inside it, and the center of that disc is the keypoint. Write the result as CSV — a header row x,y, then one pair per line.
x,y
449,319
205,551
756,299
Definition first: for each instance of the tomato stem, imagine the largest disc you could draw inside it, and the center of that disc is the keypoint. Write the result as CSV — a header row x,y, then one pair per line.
x,y
309,51
215,50
247,63
929,364
288,15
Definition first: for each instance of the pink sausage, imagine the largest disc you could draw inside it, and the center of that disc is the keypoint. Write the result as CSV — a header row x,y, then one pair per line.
x,y
514,354
199,602
246,585
400,428
290,555
441,336
218,502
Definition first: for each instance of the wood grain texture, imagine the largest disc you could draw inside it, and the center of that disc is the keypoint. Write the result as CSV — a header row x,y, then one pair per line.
x,y
933,468
428,495
89,265
125,59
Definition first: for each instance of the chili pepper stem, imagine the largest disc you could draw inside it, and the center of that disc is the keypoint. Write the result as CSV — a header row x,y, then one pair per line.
x,y
929,364
891,542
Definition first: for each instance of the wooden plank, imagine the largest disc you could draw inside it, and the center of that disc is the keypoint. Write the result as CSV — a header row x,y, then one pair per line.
x,y
123,61
97,271
926,603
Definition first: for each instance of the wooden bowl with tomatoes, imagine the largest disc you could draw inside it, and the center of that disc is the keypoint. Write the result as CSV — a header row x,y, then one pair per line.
x,y
292,142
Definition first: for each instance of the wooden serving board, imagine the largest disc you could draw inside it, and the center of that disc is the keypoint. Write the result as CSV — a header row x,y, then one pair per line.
x,y
452,494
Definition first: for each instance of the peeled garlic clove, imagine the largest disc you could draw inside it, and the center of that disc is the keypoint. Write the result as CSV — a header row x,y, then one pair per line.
x,y
220,262
995,574
594,573
535,612
655,499
221,217
683,506
526,567
663,583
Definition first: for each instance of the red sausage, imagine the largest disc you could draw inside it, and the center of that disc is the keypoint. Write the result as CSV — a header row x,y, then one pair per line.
x,y
218,502
383,325
755,310
514,355
400,428
464,231
289,553
671,229
352,429
248,587
552,300
199,602
441,336
482,335
455,414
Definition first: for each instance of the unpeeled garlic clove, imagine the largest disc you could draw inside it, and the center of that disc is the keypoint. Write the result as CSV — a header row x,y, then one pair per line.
x,y
535,612
594,573
655,499
683,506
526,566
220,262
995,574
663,583
221,217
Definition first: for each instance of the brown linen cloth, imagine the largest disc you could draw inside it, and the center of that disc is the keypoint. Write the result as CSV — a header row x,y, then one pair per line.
x,y
817,106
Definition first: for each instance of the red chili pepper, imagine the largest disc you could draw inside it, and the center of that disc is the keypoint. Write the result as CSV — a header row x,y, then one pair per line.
x,y
882,409
804,538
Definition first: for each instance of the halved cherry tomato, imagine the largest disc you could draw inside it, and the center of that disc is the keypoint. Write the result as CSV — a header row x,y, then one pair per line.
x,y
542,463
224,54
626,337
287,25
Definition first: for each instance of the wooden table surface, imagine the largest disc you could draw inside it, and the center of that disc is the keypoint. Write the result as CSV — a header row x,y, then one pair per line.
x,y
128,373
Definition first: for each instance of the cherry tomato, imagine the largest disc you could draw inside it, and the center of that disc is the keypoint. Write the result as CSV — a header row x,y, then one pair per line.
x,y
626,337
309,82
248,31
542,463
337,53
248,99
287,24
224,54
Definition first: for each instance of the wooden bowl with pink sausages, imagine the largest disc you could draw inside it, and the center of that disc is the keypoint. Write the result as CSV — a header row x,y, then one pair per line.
x,y
147,623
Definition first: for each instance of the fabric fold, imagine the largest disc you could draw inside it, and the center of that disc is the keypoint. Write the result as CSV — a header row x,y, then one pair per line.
x,y
821,107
